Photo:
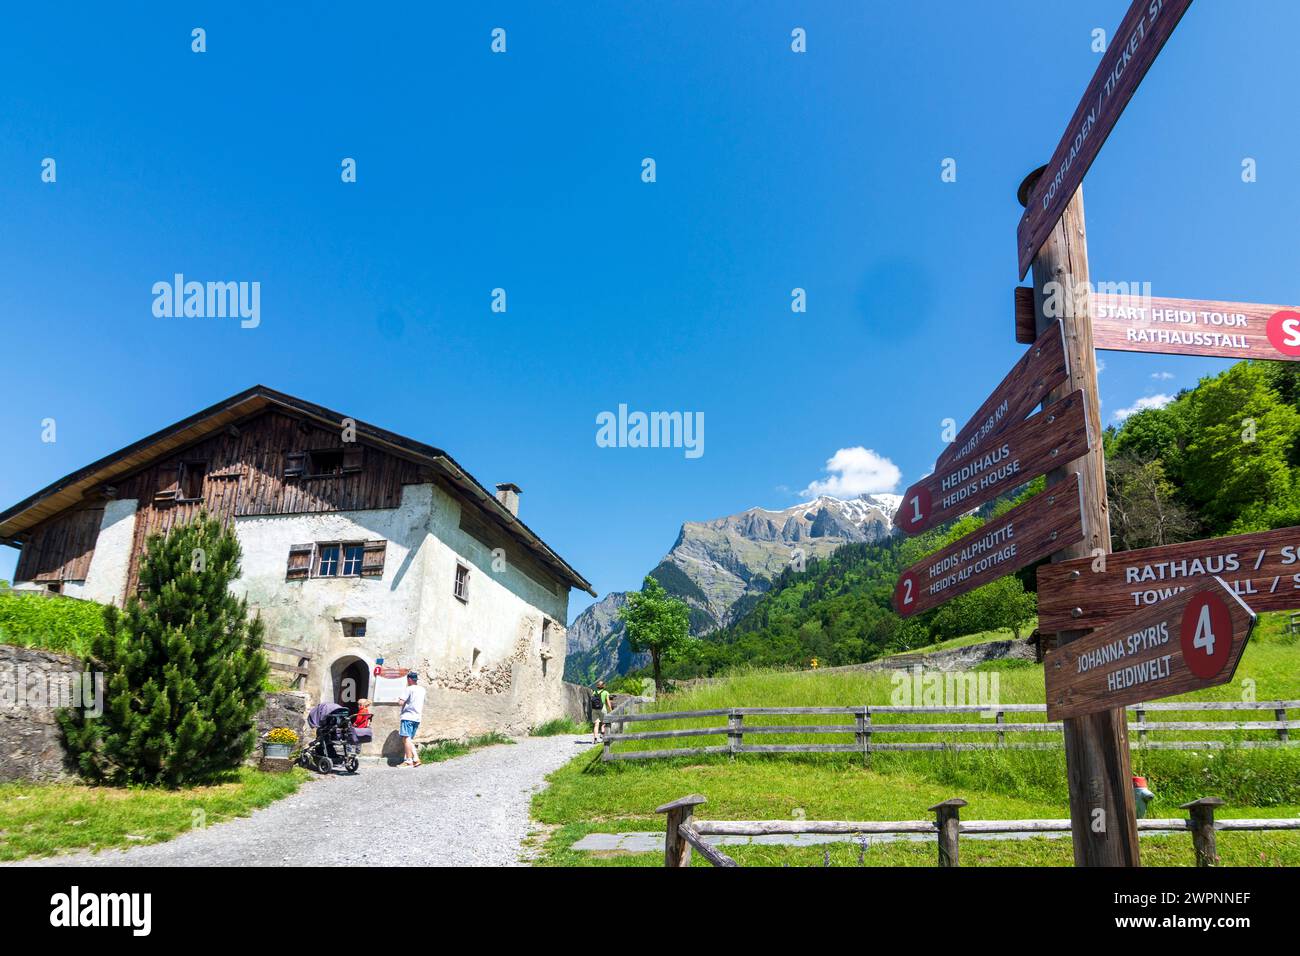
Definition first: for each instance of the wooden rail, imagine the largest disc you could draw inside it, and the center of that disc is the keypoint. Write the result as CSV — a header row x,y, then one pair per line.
x,y
685,833
864,728
299,670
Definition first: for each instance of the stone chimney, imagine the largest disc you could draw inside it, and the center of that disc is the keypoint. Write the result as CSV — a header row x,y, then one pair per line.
x,y
508,494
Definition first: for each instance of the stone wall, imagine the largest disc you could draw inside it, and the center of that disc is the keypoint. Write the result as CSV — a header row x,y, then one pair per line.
x,y
34,684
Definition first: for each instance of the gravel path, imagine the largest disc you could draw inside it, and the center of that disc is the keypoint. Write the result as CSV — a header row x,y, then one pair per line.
x,y
469,811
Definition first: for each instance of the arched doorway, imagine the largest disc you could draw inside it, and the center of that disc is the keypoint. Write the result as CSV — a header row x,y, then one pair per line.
x,y
350,678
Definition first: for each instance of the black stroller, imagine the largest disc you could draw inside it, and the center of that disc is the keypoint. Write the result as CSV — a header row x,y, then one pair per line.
x,y
337,742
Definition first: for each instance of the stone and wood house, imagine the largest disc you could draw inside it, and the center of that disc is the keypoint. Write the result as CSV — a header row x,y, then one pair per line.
x,y
371,552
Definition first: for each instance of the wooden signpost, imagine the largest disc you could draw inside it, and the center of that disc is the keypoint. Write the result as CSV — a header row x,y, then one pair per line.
x,y
1027,533
1133,48
1034,447
1263,568
1042,368
1237,330
1187,642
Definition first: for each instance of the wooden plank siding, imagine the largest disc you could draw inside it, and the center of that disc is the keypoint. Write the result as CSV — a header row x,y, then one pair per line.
x,y
60,549
245,477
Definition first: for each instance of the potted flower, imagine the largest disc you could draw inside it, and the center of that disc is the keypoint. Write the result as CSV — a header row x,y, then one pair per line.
x,y
279,742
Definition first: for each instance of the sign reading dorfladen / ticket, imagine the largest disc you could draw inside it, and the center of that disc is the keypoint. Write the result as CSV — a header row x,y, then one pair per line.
x,y
1035,529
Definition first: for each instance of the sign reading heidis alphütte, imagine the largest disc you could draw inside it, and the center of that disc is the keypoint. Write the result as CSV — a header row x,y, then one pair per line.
x,y
1046,523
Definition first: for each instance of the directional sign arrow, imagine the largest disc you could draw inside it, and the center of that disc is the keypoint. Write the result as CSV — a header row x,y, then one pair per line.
x,y
1046,523
1042,368
1133,48
1239,330
1193,640
1056,435
1262,567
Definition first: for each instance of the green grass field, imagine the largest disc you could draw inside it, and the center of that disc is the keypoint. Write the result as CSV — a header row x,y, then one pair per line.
x,y
40,819
588,796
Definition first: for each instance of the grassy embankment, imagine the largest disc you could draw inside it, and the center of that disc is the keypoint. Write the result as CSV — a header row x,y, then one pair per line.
x,y
588,796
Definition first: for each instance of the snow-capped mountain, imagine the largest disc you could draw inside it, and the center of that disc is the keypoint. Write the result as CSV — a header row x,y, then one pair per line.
x,y
715,565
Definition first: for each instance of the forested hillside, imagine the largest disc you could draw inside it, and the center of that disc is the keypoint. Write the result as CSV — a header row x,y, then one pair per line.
x,y
1221,458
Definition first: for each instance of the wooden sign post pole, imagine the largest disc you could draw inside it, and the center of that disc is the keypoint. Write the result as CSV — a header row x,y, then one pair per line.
x,y
1102,814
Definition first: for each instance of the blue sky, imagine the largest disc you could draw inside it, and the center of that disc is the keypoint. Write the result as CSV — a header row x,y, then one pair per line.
x,y
522,171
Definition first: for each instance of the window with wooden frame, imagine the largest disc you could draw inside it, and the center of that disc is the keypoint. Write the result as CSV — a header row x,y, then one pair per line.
x,y
461,587
190,484
336,559
324,462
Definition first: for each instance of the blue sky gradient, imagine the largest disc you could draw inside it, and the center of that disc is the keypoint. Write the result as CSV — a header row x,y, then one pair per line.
x,y
523,171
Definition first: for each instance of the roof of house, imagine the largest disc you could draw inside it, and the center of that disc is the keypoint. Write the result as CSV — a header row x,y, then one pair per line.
x,y
71,489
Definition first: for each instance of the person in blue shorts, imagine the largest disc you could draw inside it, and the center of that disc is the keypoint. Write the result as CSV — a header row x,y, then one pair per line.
x,y
412,708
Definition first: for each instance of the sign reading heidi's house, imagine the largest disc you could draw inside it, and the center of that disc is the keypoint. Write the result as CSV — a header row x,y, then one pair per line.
x,y
1192,640
1046,523
1042,368
1132,50
1056,435
1238,330
1262,567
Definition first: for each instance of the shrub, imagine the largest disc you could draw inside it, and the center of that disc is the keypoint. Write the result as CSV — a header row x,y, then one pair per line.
x,y
183,669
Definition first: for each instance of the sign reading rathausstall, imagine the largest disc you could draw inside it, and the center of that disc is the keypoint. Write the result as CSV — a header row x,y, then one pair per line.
x,y
1237,330
1042,368
1056,435
1263,568
1192,640
1132,50
1046,523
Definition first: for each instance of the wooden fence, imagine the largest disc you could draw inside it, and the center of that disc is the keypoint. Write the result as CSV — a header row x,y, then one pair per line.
x,y
685,833
866,728
298,670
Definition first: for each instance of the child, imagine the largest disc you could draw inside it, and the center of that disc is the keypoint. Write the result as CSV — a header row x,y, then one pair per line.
x,y
361,721
362,718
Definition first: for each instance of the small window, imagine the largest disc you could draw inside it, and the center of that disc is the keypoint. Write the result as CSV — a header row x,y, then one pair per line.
x,y
354,627
54,587
191,480
546,631
327,561
462,582
325,463
340,559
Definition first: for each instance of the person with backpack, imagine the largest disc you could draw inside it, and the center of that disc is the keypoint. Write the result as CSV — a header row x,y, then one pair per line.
x,y
599,706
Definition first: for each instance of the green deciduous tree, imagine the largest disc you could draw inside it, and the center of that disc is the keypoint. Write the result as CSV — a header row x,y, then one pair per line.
x,y
184,669
656,622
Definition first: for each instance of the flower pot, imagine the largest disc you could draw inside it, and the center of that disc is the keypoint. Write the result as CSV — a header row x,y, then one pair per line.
x,y
277,750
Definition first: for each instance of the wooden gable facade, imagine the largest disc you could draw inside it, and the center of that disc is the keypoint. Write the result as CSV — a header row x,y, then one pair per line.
x,y
258,453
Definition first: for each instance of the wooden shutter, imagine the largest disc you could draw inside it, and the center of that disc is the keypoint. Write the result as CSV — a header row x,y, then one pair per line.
x,y
169,483
294,463
299,561
372,559
352,457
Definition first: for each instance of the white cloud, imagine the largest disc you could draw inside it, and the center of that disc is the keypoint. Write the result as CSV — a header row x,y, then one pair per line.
x,y
1162,376
1142,404
856,471
1101,365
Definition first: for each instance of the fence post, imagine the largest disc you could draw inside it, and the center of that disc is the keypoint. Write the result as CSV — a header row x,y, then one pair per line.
x,y
677,852
1001,718
1201,813
866,733
860,733
1279,714
735,732
948,823
1141,714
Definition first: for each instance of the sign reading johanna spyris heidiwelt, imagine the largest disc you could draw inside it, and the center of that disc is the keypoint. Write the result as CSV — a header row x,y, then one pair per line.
x,y
1046,523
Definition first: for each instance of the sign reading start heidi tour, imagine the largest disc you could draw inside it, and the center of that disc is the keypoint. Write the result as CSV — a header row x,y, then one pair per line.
x,y
1192,640
1238,330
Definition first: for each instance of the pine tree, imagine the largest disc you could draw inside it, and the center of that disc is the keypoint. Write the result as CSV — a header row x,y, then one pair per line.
x,y
184,669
